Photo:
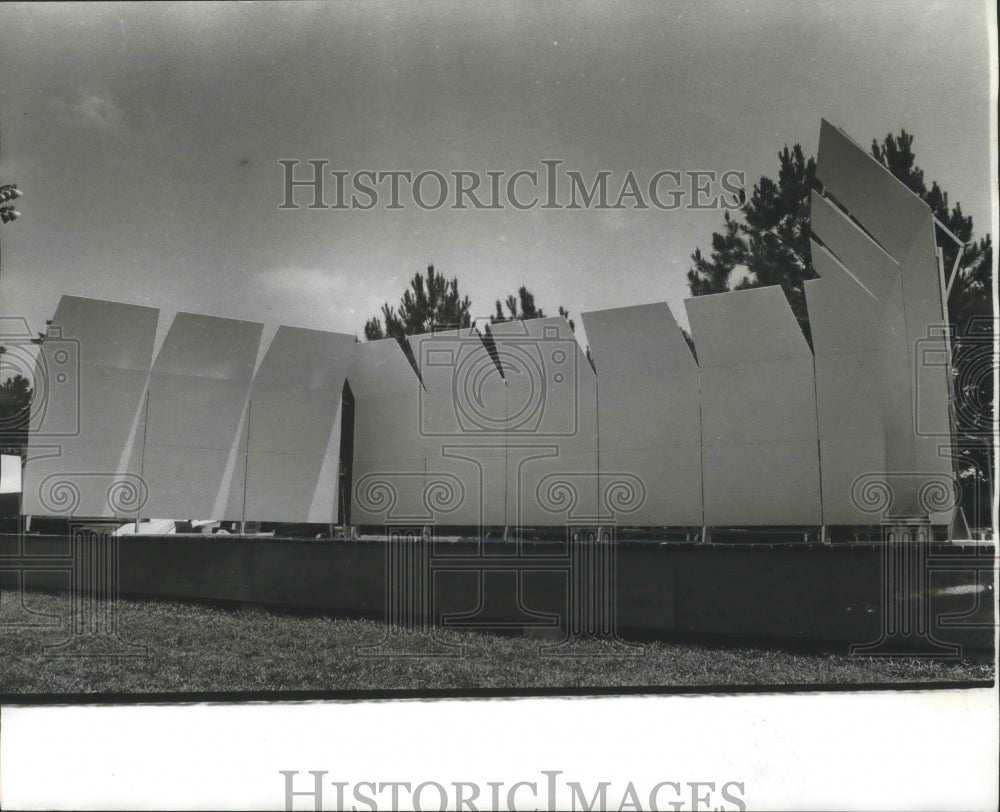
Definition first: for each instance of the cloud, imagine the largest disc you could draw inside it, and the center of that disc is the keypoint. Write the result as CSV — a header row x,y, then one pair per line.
x,y
299,279
99,109
92,108
616,219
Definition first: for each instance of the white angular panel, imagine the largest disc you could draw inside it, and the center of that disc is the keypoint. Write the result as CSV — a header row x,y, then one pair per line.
x,y
744,327
463,421
848,397
930,362
388,476
278,488
390,490
463,391
762,484
642,341
863,258
913,373
209,347
551,422
110,334
382,379
896,388
546,491
329,479
643,412
671,480
290,420
649,422
293,406
477,476
889,211
844,318
186,411
549,380
761,454
925,325
90,379
845,461
762,402
183,482
197,393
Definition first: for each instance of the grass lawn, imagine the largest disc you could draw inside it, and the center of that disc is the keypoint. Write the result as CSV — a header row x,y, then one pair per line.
x,y
209,649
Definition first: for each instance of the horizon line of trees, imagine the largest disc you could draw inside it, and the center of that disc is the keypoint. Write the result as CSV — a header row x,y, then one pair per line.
x,y
433,302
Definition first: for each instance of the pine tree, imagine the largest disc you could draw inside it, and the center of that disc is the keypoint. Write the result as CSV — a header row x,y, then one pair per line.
x,y
770,245
15,409
431,303
522,306
973,286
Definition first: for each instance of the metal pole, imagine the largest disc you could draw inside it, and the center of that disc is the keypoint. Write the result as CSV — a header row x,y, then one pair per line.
x,y
246,470
142,458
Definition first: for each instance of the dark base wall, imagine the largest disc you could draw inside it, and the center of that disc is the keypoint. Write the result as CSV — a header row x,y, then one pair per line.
x,y
799,591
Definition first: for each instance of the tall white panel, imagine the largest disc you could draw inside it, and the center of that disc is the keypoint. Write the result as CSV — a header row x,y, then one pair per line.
x,y
924,330
649,421
912,354
929,364
896,388
389,455
197,394
758,405
90,378
463,413
844,318
286,438
551,423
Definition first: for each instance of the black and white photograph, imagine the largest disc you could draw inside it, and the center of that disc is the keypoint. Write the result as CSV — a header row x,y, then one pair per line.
x,y
470,405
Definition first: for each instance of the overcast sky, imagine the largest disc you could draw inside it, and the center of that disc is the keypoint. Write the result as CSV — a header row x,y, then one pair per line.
x,y
146,139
